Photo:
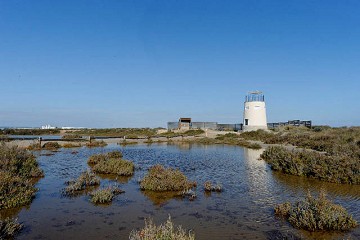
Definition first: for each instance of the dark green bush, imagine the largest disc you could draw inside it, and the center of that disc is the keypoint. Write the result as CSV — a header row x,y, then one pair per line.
x,y
18,168
116,166
314,214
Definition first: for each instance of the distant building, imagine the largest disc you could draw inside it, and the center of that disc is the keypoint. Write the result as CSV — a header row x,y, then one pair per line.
x,y
47,127
254,112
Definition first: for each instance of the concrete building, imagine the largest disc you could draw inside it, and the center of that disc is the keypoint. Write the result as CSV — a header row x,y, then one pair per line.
x,y
254,112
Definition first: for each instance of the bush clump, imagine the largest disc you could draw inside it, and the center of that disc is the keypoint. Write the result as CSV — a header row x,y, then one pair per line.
x,y
105,195
85,180
116,166
51,145
162,179
71,145
96,144
8,228
166,231
315,214
111,163
18,168
338,169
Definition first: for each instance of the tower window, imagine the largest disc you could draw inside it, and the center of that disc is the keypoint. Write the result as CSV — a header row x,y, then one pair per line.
x,y
246,121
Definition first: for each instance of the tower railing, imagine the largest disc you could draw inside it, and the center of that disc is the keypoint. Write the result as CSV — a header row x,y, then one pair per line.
x,y
255,98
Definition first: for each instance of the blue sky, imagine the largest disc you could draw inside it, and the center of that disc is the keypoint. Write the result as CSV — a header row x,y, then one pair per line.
x,y
143,63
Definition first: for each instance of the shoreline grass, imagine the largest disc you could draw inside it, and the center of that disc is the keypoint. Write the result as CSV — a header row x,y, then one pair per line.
x,y
316,214
95,143
164,231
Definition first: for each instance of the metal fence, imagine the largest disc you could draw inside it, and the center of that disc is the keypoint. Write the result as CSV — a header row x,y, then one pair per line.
x,y
296,123
207,125
229,127
204,125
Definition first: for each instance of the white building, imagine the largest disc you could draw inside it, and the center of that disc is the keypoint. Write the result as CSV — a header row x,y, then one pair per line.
x,y
47,127
254,112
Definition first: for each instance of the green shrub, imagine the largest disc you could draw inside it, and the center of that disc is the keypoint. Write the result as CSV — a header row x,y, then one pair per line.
x,y
164,231
94,159
111,163
329,168
116,166
161,179
105,195
314,214
18,169
85,180
8,228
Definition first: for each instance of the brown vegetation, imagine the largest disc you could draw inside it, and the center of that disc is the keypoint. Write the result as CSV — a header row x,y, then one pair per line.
x,y
209,187
95,143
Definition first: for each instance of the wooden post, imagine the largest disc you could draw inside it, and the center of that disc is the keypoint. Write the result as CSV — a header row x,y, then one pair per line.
x,y
40,138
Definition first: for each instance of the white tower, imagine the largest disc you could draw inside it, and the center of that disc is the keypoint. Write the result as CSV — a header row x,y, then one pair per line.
x,y
254,112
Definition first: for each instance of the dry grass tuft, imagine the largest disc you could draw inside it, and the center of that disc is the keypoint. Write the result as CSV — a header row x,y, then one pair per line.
x,y
9,228
105,195
164,231
85,180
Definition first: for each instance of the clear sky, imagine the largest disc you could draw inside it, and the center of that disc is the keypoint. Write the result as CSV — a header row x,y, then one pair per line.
x,y
143,63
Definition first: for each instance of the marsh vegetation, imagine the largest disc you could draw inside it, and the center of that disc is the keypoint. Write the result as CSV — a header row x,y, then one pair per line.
x,y
18,170
162,179
111,163
83,182
9,228
105,195
315,214
164,231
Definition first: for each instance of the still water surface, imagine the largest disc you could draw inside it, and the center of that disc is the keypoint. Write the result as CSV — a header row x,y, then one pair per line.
x,y
243,211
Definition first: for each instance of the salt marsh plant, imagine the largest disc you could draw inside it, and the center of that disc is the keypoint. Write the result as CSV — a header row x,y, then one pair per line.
x,y
162,179
18,169
111,163
8,228
84,181
116,166
105,195
51,146
209,187
95,143
164,231
338,169
71,145
315,214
